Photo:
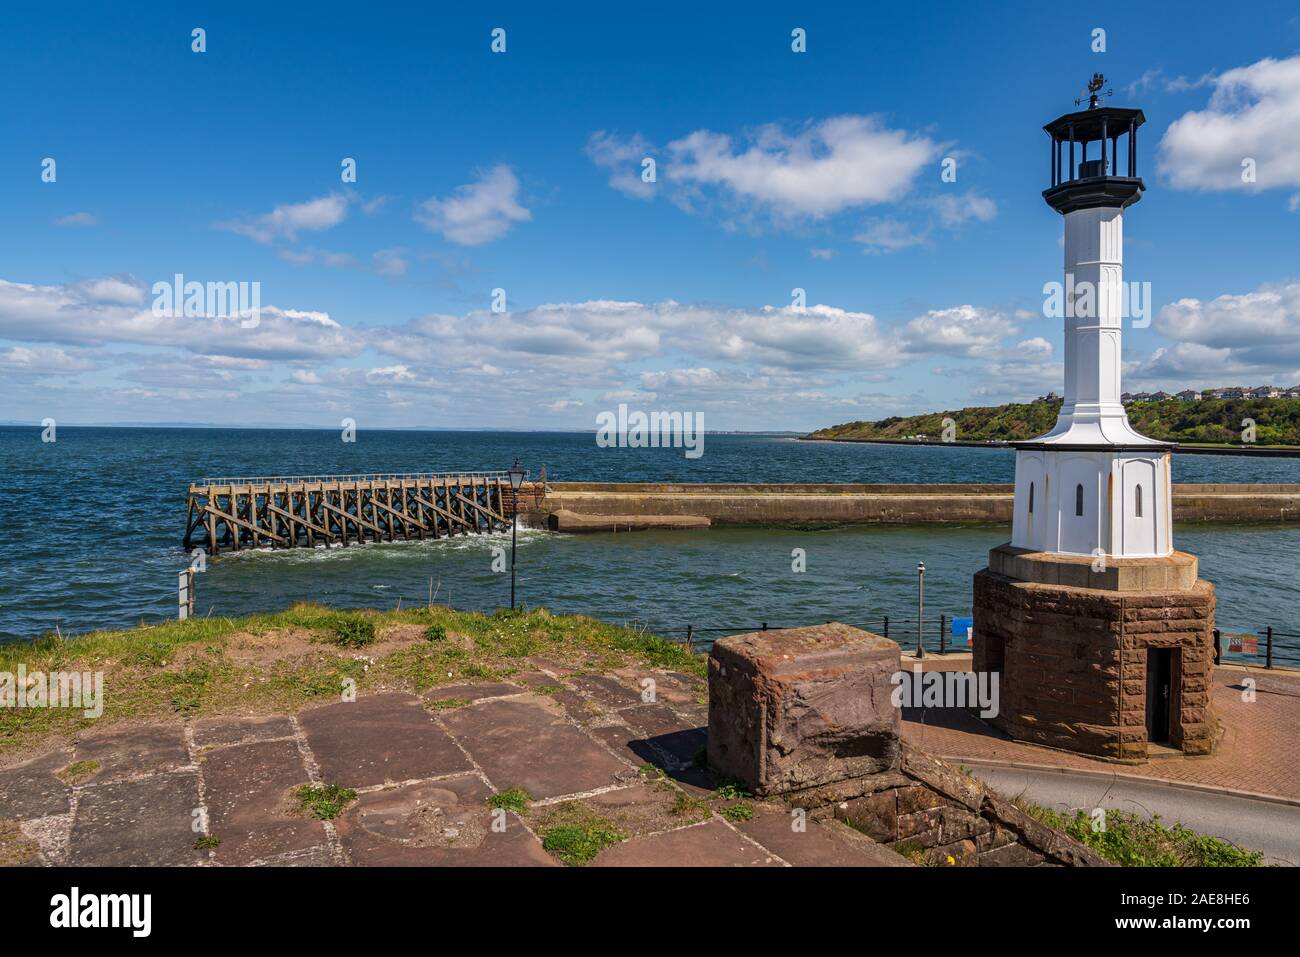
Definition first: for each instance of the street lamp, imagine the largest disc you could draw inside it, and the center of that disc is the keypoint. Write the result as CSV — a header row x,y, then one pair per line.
x,y
517,475
920,609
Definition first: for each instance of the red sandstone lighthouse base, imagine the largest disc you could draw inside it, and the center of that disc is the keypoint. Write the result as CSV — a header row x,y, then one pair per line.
x,y
1106,662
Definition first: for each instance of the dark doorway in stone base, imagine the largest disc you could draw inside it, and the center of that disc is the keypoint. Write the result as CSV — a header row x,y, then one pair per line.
x,y
1159,672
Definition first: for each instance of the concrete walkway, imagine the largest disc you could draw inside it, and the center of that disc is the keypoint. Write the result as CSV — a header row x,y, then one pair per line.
x,y
587,747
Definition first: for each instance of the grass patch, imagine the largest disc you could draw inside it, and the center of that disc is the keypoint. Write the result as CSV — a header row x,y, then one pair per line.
x,y
194,668
577,844
574,834
512,799
730,789
446,704
16,849
325,802
78,772
208,842
1135,841
741,811
351,631
687,805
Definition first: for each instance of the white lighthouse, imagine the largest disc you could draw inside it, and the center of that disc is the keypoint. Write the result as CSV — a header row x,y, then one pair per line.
x,y
1093,485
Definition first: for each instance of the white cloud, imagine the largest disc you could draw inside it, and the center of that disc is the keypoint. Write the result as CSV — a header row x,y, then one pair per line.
x,y
1254,113
306,257
68,315
1259,328
563,405
622,158
837,164
882,236
390,262
289,219
43,361
114,290
957,210
77,219
477,212
826,255
961,330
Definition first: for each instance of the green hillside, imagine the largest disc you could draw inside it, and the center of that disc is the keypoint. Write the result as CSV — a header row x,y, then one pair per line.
x,y
1209,421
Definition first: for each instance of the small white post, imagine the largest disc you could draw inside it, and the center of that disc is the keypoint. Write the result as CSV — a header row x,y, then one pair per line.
x,y
183,608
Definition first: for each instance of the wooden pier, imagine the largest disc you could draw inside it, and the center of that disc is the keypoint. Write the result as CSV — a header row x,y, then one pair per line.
x,y
306,511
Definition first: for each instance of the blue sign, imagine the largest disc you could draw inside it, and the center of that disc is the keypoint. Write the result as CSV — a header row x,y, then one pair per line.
x,y
960,627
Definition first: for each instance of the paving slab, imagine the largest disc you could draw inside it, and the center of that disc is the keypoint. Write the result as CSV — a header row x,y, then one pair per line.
x,y
133,750
641,808
31,790
217,732
653,720
143,822
378,739
820,844
711,844
606,691
445,823
250,807
674,752
526,742
473,691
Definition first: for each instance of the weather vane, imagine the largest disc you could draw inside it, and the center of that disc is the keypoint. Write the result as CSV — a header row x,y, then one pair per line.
x,y
1094,91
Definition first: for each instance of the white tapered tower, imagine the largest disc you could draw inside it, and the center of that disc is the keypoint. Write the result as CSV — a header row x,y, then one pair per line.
x,y
1093,485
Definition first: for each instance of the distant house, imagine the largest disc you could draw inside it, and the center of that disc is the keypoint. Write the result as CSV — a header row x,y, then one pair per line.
x,y
1190,395
1142,397
1126,398
1233,393
1160,396
1292,393
1265,392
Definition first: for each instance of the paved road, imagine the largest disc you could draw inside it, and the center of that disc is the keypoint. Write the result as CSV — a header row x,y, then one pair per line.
x,y
1258,825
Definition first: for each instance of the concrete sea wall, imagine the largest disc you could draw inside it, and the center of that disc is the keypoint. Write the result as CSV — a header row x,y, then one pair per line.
x,y
842,504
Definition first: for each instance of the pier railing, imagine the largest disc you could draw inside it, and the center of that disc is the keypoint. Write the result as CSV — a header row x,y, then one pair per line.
x,y
291,511
359,477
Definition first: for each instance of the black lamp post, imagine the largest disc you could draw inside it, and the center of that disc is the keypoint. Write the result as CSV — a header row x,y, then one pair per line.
x,y
517,475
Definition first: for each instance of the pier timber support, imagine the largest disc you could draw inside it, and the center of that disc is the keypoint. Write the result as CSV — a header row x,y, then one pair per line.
x,y
306,511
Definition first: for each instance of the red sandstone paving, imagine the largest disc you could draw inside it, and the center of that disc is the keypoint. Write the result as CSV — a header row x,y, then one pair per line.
x,y
1258,752
134,750
31,790
377,739
471,692
250,807
214,732
149,821
711,844
444,823
820,844
527,742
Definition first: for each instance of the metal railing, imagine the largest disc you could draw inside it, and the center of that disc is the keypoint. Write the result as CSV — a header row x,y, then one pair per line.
x,y
1270,655
935,632
366,477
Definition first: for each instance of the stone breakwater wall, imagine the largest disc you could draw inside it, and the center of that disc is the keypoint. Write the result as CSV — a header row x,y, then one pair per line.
x,y
847,504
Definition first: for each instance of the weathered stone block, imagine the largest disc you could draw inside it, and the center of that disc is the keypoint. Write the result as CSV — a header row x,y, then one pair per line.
x,y
802,707
875,815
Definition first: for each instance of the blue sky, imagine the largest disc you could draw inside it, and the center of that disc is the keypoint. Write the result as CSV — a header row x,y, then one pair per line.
x,y
521,171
